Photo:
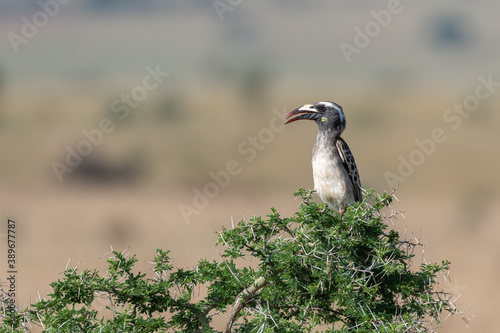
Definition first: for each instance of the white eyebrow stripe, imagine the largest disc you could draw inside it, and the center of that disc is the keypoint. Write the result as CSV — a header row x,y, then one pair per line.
x,y
338,108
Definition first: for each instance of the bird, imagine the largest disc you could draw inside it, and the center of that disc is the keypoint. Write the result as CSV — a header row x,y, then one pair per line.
x,y
335,174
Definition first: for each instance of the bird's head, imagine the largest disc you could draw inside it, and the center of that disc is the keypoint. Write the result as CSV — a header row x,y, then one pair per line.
x,y
328,115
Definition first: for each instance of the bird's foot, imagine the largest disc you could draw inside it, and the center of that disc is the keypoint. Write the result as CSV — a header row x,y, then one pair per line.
x,y
341,211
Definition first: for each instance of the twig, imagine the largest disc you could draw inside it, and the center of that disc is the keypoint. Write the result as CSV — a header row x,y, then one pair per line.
x,y
242,298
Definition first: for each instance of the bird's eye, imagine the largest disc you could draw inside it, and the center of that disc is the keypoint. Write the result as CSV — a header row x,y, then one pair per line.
x,y
320,108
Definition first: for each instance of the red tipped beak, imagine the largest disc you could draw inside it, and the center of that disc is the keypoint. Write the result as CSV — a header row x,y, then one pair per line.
x,y
304,112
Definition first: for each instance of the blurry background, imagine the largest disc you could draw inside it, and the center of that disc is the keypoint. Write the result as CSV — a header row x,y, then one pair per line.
x,y
234,72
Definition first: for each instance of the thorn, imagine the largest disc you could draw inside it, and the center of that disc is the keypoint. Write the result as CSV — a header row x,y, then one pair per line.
x,y
108,252
67,264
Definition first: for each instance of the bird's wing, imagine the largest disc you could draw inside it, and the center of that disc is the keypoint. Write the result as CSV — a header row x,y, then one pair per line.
x,y
350,165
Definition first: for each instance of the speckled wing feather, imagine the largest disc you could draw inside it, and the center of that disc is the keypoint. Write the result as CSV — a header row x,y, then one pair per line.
x,y
350,165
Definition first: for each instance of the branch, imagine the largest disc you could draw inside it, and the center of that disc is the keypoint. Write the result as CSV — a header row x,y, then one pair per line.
x,y
242,298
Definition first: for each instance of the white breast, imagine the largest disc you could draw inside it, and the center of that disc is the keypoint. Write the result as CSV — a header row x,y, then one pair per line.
x,y
331,180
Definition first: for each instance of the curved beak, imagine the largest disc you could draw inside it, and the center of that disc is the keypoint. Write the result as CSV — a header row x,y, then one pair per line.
x,y
304,112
